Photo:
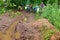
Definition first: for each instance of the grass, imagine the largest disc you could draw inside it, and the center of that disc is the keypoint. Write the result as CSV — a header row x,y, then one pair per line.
x,y
53,14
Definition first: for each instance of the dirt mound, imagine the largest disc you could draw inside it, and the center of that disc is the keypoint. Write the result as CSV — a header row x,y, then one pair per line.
x,y
43,22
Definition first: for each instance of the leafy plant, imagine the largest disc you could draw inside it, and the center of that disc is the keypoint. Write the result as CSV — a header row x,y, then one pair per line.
x,y
52,13
2,7
2,11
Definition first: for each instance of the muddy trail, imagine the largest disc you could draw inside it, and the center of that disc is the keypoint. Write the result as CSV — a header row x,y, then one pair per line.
x,y
23,27
18,28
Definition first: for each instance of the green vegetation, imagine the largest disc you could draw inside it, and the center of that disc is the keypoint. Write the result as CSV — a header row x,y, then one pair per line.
x,y
51,11
2,8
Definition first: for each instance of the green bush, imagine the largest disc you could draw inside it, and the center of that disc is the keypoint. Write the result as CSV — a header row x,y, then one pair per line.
x,y
2,10
2,6
52,13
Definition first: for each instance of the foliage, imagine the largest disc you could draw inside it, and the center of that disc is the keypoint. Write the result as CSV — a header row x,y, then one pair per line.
x,y
2,7
15,3
52,1
2,11
24,2
52,13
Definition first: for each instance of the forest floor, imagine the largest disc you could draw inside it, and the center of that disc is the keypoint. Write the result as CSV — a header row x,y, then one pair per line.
x,y
24,26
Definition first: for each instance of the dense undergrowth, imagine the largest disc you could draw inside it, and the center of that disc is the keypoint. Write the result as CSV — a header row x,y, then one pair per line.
x,y
52,13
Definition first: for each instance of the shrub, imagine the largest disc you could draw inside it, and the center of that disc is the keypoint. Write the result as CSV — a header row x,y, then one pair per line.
x,y
52,13
2,6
